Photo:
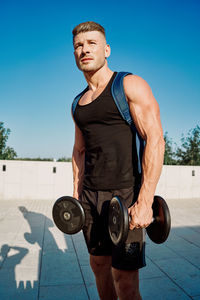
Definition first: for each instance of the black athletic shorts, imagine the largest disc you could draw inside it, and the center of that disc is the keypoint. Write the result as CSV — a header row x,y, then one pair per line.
x,y
131,255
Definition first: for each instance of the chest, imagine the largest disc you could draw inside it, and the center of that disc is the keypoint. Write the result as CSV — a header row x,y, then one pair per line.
x,y
90,96
102,110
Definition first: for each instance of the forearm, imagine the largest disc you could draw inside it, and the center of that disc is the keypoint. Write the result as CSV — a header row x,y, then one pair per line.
x,y
78,162
152,163
146,117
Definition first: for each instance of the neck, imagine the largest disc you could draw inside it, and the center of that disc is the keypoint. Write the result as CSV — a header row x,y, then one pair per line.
x,y
99,78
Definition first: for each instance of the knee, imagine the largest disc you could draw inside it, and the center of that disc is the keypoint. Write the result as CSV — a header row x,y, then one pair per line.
x,y
123,282
100,264
126,283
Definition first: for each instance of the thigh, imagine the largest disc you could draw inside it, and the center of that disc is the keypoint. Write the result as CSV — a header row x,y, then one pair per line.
x,y
99,263
95,230
126,275
126,283
130,255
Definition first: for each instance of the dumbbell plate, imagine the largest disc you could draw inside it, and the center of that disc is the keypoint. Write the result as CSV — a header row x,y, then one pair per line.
x,y
159,229
68,215
118,221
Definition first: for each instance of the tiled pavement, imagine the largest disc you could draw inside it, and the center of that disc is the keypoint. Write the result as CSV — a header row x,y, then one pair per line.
x,y
38,262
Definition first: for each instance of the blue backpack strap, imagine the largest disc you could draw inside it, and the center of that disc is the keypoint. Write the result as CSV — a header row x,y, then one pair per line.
x,y
119,97
118,94
76,99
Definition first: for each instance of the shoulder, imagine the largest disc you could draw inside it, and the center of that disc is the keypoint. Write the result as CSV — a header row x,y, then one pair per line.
x,y
136,87
81,94
77,98
138,91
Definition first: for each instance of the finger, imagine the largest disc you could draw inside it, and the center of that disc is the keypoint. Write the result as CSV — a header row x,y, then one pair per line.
x,y
133,226
137,226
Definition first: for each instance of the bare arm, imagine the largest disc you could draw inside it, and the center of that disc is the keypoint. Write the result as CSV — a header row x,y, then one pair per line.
x,y
78,162
146,115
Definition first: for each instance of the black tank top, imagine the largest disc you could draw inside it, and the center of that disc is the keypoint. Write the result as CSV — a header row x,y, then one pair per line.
x,y
108,143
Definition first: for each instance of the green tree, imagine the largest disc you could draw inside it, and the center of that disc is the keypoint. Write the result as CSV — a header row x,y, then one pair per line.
x,y
169,157
5,152
34,159
64,159
189,152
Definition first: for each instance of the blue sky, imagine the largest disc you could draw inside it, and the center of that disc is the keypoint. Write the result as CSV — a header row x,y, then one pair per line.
x,y
157,40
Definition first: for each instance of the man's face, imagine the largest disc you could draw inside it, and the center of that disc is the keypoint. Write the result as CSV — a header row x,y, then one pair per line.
x,y
90,51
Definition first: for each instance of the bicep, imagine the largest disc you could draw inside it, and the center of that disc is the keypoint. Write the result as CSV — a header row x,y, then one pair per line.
x,y
144,108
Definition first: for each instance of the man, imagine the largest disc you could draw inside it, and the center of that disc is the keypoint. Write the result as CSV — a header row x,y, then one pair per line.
x,y
103,164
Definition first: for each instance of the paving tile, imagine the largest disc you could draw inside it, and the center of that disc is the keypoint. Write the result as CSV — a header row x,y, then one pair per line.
x,y
183,273
7,237
14,257
150,271
4,251
63,292
81,250
196,228
16,287
21,241
92,291
161,289
177,243
192,256
78,236
31,260
54,239
39,251
88,275
189,235
10,225
159,252
24,291
60,268
83,258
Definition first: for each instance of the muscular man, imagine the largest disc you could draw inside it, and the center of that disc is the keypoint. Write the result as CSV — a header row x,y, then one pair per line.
x,y
103,164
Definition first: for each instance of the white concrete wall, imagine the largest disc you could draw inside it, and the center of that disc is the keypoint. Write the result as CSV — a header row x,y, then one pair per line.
x,y
177,182
36,180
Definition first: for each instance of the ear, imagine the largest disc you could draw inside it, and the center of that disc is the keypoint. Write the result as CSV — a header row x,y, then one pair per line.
x,y
107,50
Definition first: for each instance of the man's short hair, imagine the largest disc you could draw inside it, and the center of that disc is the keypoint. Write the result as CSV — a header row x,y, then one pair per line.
x,y
88,26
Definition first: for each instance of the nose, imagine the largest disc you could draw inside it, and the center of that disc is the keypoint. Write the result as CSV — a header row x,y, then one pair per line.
x,y
85,48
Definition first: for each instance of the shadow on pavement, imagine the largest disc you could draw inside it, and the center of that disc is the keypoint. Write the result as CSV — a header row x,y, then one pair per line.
x,y
36,268
18,262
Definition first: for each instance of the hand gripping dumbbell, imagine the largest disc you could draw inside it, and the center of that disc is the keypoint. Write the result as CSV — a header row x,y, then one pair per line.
x,y
119,219
68,215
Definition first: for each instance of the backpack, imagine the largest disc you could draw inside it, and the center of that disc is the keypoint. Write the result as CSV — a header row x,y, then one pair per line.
x,y
117,91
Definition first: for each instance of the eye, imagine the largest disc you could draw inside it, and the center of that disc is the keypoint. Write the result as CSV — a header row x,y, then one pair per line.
x,y
77,46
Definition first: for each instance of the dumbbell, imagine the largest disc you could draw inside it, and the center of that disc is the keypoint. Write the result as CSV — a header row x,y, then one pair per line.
x,y
68,215
119,219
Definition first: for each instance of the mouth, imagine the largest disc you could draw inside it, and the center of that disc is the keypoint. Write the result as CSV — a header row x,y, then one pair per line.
x,y
86,59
